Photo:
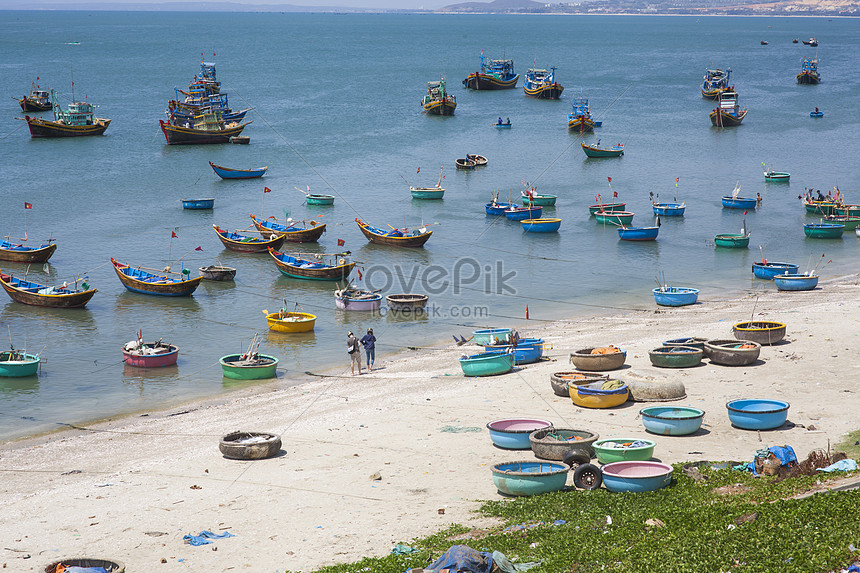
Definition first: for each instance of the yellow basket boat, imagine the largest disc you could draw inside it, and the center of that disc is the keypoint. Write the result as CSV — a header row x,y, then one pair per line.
x,y
594,396
290,321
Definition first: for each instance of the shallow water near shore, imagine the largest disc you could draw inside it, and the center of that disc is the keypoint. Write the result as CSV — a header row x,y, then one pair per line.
x,y
336,107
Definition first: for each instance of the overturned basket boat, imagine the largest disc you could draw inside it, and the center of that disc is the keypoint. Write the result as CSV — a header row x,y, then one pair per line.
x,y
763,332
409,301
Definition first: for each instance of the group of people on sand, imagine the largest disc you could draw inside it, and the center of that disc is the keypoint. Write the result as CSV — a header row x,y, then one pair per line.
x,y
353,348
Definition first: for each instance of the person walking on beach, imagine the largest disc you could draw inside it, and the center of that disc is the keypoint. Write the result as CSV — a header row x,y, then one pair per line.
x,y
353,348
369,343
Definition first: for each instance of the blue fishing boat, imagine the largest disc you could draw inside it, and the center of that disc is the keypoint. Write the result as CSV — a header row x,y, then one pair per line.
x,y
293,232
162,283
579,118
816,113
733,201
796,282
809,72
541,84
716,82
594,150
502,125
550,225
494,75
765,270
669,209
228,173
313,268
675,296
496,208
526,350
638,233
521,213
198,203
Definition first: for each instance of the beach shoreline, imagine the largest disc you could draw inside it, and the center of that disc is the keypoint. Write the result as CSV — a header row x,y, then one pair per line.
x,y
129,488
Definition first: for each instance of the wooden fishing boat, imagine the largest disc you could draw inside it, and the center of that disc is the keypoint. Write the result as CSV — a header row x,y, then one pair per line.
x,y
228,173
353,298
810,42
292,232
407,301
308,268
198,204
796,282
594,209
480,160
547,225
496,208
77,121
395,237
487,363
762,331
579,119
521,213
464,163
539,199
149,354
731,202
849,221
776,176
290,322
593,150
438,101
207,128
728,112
541,84
31,293
245,244
809,72
716,82
23,254
763,43
15,364
766,270
217,273
159,283
594,396
669,209
827,207
248,367
494,75
619,218
429,193
675,296
732,240
823,230
638,233
816,113
39,100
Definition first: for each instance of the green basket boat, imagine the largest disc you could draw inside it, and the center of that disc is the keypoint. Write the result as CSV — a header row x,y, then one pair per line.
x,y
238,367
14,364
540,200
487,363
617,218
732,241
315,199
823,230
850,221
849,210
821,207
593,209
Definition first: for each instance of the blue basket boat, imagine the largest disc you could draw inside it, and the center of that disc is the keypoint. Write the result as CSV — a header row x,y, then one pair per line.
x,y
636,476
638,233
495,208
675,296
529,478
541,225
198,203
816,113
672,420
522,213
527,350
487,363
764,270
492,336
730,202
795,282
669,209
757,414
513,433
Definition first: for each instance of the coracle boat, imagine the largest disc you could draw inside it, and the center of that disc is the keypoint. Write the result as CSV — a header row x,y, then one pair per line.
x,y
579,119
636,476
823,230
228,173
312,267
480,160
438,101
39,100
530,197
691,341
809,72
149,354
464,163
810,42
292,232
596,208
430,193
290,322
31,293
594,150
241,445
523,213
766,270
735,201
217,273
607,394
671,420
676,356
198,204
208,127
487,363
816,113
76,121
524,479
757,414
772,176
23,254
716,82
252,366
541,84
561,381
728,112
843,209
675,296
395,237
157,282
85,564
826,207
526,350
550,225
14,364
353,298
491,336
850,222
669,209
732,240
610,450
245,244
732,352
319,199
598,359
407,301
638,233
554,443
796,282
498,208
763,332
618,218
494,75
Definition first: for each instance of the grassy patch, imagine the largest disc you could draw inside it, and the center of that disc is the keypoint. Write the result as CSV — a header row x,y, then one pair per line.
x,y
850,446
747,524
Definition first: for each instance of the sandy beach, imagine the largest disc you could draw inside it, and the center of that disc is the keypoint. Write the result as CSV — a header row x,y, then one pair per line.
x,y
130,489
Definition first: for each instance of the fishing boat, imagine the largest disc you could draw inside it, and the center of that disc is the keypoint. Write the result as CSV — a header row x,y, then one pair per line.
x,y
438,101
768,270
673,209
480,160
794,41
594,209
849,221
763,42
547,225
619,218
715,82
541,84
665,295
809,72
816,113
228,173
64,296
395,237
292,231
500,125
487,363
845,209
142,354
15,364
732,240
253,366
521,213
823,230
407,301
290,322
246,244
594,150
494,75
429,193
464,163
311,267
728,112
810,42
22,254
525,351
594,395
316,198
496,207
198,204
734,201
772,176
217,273
159,283
530,197
579,118
39,100
796,282
208,127
638,233
353,298
77,120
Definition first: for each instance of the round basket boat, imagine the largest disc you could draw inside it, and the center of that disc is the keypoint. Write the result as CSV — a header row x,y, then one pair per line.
x,y
757,414
649,389
585,360
636,476
763,332
607,454
111,566
560,381
407,301
513,433
732,352
235,367
672,420
691,341
529,477
553,443
676,356
595,396
249,445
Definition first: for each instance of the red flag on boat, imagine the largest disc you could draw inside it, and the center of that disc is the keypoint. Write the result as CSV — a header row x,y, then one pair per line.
x,y
745,211
199,249
527,312
173,234
266,190
419,170
676,181
610,179
359,273
28,205
615,194
340,242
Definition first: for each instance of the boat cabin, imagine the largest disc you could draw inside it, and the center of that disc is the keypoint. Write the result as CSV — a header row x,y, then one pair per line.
x,y
79,113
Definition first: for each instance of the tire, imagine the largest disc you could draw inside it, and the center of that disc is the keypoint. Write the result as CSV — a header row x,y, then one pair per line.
x,y
268,446
588,477
575,457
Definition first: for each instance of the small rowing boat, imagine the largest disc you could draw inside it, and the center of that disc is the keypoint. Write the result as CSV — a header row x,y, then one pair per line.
x,y
407,301
292,232
245,244
594,150
217,273
23,254
638,233
290,322
429,193
198,204
142,354
772,176
15,364
311,267
159,283
675,296
395,237
354,298
35,294
766,270
548,225
823,230
619,218
732,240
523,213
796,282
228,173
464,163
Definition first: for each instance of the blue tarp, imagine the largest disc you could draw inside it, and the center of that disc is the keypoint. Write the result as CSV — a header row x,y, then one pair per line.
x,y
464,558
205,537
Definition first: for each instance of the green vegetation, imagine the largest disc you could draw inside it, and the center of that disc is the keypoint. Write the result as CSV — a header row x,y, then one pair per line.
x,y
731,521
850,446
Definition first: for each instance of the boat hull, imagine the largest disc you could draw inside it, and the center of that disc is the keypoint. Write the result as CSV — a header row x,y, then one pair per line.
x,y
487,364
498,208
308,235
291,322
638,233
546,91
319,200
42,128
198,204
227,173
151,360
580,124
738,203
540,200
620,218
177,135
217,273
541,225
379,239
257,372
127,277
523,213
443,107
669,209
794,282
808,79
777,177
426,194
593,209
248,244
594,151
769,270
18,368
406,301
725,119
823,230
324,273
732,241
39,255
364,304
19,293
592,396
675,296
28,104
478,81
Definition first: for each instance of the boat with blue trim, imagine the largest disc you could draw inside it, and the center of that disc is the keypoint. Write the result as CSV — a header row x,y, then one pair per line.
x,y
64,296
245,244
494,75
715,82
541,84
395,237
76,121
292,232
517,213
594,150
39,100
579,118
438,101
639,233
547,225
229,173
311,265
20,253
728,112
767,270
809,72
162,283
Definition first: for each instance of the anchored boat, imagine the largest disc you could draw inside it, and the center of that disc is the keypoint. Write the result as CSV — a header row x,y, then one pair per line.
x,y
23,254
395,237
161,283
39,100
312,267
809,72
579,118
594,150
541,84
494,75
438,101
292,232
76,121
35,294
228,173
245,244
728,112
716,82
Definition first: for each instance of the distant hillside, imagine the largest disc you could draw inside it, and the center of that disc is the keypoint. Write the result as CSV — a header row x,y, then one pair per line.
x,y
495,6
698,7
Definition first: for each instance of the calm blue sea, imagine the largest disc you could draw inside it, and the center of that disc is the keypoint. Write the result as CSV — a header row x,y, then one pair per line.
x,y
335,103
